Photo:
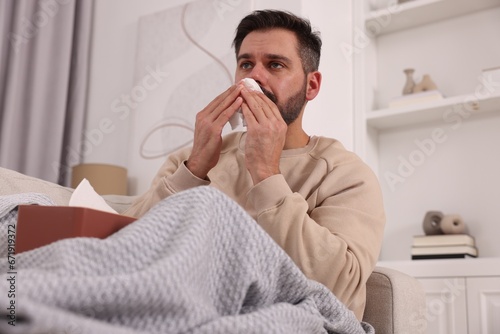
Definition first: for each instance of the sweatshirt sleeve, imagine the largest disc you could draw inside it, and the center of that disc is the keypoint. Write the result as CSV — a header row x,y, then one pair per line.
x,y
172,177
334,235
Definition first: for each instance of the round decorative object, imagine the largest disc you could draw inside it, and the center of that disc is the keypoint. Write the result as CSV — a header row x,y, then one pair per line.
x,y
432,223
452,224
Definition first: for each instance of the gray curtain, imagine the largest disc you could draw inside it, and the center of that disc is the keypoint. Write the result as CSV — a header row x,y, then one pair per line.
x,y
44,66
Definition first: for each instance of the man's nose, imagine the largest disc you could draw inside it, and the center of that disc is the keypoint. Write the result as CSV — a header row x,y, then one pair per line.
x,y
259,74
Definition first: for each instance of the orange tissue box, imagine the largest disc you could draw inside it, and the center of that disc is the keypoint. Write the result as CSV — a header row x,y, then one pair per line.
x,y
41,225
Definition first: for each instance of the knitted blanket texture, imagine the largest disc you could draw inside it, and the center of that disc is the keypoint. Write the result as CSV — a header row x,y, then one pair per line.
x,y
195,263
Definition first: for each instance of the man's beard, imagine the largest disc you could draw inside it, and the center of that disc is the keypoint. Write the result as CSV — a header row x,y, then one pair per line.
x,y
290,111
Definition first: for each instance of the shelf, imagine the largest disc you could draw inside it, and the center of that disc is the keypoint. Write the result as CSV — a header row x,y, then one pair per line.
x,y
432,111
420,12
446,267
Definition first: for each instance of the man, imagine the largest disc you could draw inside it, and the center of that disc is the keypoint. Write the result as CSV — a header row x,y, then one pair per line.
x,y
319,202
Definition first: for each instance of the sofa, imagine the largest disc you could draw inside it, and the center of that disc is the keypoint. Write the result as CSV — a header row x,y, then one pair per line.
x,y
395,301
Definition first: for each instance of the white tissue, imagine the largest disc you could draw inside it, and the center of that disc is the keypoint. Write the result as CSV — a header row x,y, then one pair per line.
x,y
251,84
237,117
85,196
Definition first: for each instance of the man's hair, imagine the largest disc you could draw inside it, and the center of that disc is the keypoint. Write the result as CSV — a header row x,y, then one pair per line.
x,y
309,41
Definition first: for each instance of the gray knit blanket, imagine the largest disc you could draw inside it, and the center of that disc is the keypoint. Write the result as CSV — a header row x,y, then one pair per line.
x,y
196,263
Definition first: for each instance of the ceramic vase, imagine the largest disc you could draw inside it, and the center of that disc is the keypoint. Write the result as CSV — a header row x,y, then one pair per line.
x,y
410,83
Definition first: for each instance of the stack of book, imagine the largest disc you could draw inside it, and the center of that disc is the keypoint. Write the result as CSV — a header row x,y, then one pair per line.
x,y
443,246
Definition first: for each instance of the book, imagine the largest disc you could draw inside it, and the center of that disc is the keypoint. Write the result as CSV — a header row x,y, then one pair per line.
x,y
415,98
444,251
443,240
441,256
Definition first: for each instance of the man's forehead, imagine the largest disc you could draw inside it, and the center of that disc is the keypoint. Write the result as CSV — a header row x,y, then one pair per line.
x,y
270,56
271,43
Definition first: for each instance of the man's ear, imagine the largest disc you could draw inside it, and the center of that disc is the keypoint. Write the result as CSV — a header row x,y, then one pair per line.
x,y
313,85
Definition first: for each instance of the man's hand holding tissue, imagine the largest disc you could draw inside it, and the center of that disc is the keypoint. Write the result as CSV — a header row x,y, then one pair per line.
x,y
210,121
266,134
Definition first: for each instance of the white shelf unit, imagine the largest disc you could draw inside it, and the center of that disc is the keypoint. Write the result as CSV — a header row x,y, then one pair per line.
x,y
458,175
427,112
463,295
420,12
379,130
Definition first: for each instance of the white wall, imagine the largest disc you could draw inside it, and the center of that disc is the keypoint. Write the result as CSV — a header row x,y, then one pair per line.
x,y
111,76
113,58
331,113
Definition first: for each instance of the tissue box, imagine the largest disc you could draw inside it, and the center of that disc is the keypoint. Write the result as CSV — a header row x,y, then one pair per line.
x,y
41,225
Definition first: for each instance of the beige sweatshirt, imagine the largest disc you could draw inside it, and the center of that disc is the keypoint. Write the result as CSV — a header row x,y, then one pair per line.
x,y
325,209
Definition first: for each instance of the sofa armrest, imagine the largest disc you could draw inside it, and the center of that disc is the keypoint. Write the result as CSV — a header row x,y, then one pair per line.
x,y
395,303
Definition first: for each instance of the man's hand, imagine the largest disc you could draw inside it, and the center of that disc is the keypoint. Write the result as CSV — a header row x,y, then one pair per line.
x,y
208,129
266,134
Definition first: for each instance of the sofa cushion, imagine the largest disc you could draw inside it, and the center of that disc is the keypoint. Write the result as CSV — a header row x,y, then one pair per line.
x,y
120,203
12,182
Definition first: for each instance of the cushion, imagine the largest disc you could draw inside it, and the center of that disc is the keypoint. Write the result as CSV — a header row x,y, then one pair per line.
x,y
12,182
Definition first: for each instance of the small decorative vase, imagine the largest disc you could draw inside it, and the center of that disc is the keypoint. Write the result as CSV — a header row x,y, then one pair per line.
x,y
425,85
410,83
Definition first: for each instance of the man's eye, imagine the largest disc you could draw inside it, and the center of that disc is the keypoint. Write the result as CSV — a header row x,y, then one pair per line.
x,y
246,66
276,65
